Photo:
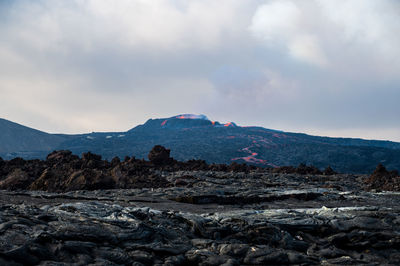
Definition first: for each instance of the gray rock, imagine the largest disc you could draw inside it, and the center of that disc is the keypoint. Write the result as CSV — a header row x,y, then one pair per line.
x,y
236,250
143,227
265,256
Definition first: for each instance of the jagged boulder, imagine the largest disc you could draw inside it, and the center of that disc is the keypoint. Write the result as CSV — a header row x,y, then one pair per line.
x,y
2,170
88,179
16,162
92,161
329,171
382,179
89,156
159,155
302,169
48,181
59,155
17,179
63,160
115,161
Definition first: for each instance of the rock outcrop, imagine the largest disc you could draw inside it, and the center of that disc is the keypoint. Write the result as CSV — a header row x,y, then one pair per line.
x,y
64,171
382,179
302,169
160,155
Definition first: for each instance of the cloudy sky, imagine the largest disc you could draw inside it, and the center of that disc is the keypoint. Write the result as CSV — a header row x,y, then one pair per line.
x,y
317,66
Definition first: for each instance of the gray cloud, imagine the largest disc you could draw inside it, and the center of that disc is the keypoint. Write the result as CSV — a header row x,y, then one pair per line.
x,y
318,66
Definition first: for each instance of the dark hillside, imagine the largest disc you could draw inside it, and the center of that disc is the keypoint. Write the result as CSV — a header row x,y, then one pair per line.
x,y
197,137
18,140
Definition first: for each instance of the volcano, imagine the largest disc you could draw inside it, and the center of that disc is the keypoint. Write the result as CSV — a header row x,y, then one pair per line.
x,y
191,136
182,121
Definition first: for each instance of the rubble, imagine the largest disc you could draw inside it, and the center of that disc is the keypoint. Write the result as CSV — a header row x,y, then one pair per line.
x,y
68,210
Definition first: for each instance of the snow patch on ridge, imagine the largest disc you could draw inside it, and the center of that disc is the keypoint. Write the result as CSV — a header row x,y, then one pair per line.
x,y
191,116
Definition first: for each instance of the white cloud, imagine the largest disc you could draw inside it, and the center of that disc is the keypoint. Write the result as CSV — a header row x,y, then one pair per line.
x,y
306,47
332,33
370,26
241,86
148,25
276,21
83,65
284,23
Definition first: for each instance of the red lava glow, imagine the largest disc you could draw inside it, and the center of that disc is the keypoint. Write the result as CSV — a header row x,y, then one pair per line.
x,y
213,123
163,123
252,157
228,124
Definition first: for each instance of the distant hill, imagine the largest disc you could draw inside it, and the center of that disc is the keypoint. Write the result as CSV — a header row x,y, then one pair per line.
x,y
196,137
17,140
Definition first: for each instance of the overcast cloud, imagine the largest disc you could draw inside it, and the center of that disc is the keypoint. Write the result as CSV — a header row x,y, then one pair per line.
x,y
319,66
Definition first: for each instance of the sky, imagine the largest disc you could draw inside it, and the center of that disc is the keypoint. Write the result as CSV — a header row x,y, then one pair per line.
x,y
322,67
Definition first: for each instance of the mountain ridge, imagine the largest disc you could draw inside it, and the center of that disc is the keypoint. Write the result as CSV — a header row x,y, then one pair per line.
x,y
197,137
16,137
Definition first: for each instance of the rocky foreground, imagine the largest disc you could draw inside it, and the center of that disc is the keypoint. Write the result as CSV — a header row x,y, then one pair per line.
x,y
203,215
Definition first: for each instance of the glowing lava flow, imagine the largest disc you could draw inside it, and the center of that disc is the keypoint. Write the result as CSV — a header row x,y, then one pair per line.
x,y
252,155
251,158
163,123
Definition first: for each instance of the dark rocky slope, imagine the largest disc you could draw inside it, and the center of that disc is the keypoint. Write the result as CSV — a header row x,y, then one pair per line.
x,y
225,143
17,140
84,232
196,137
63,171
165,212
